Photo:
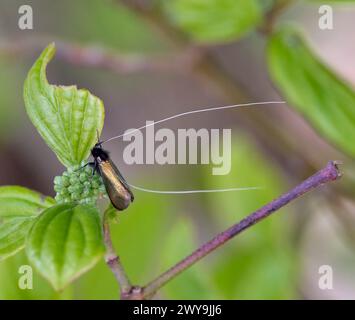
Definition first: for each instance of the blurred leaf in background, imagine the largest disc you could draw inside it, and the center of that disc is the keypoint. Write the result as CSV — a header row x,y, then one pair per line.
x,y
215,20
194,283
109,24
312,88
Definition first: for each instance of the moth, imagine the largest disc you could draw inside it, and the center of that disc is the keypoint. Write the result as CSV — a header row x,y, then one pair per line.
x,y
116,186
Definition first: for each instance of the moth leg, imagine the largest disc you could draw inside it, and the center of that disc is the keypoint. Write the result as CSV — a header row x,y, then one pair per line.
x,y
95,167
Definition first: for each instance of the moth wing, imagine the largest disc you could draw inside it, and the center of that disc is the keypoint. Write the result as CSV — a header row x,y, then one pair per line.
x,y
116,186
121,178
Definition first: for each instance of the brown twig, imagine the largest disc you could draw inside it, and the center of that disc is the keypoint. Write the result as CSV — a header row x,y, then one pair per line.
x,y
327,174
114,263
218,82
98,57
271,17
129,63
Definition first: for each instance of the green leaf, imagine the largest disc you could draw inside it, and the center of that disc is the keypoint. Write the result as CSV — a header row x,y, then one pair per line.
x,y
312,88
67,118
195,282
215,20
64,242
10,278
138,236
18,209
131,33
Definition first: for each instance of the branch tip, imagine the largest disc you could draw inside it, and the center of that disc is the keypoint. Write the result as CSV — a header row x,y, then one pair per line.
x,y
328,174
334,170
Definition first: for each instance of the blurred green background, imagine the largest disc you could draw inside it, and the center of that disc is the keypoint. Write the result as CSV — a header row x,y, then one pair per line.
x,y
151,59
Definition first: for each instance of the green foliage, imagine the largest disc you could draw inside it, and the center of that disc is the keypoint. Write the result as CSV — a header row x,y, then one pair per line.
x,y
66,239
140,234
138,237
64,242
179,243
263,256
312,88
130,32
18,209
10,276
79,185
68,119
215,20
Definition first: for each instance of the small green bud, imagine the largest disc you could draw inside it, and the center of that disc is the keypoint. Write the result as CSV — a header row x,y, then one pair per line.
x,y
58,180
87,169
79,185
75,196
82,177
95,184
74,179
87,183
71,189
85,193
71,170
64,192
65,181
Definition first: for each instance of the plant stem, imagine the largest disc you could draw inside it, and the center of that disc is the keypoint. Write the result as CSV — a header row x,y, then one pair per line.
x,y
271,17
327,174
114,262
218,82
181,62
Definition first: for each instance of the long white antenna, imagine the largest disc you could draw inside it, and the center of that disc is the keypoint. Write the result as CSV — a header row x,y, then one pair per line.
x,y
193,191
192,112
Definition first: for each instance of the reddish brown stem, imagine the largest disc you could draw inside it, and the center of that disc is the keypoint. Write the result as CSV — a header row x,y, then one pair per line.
x,y
327,174
114,263
182,61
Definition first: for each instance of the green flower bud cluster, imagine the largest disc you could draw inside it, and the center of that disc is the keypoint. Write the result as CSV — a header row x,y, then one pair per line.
x,y
78,184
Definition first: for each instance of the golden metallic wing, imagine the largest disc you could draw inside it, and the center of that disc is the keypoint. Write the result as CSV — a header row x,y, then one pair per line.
x,y
116,186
